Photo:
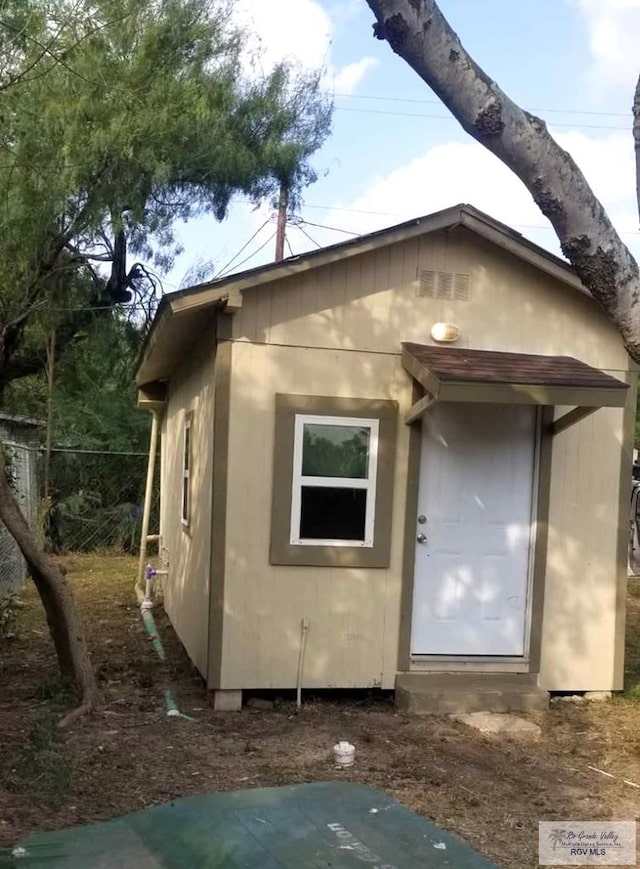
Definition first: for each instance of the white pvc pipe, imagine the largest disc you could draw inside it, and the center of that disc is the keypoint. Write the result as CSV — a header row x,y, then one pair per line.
x,y
303,645
148,494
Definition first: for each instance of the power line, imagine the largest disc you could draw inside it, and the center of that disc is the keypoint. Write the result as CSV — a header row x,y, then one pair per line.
x,y
243,248
439,103
332,228
251,256
405,216
451,118
312,240
288,243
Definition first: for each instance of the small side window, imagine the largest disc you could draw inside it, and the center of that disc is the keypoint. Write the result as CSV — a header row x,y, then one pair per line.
x,y
186,470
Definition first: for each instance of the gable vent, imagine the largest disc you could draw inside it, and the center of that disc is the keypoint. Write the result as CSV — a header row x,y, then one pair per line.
x,y
443,285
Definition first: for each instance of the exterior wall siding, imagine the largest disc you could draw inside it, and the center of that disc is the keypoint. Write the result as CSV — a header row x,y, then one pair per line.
x,y
186,589
337,330
585,568
353,612
370,303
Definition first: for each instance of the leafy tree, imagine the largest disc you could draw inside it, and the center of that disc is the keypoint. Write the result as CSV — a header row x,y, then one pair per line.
x,y
118,117
418,32
97,468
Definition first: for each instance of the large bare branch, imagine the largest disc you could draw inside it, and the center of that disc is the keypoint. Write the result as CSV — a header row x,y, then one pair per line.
x,y
417,31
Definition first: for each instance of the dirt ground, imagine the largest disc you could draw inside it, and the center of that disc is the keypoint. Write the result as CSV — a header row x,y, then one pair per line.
x,y
490,791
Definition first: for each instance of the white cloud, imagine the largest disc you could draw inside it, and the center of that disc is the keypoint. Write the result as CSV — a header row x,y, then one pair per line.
x,y
466,172
299,31
614,36
350,76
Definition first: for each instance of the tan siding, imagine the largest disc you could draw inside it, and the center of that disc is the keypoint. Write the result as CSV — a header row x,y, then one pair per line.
x,y
353,613
187,586
344,324
370,303
583,570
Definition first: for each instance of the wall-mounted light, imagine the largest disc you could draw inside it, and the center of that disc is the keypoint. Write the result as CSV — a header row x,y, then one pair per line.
x,y
445,332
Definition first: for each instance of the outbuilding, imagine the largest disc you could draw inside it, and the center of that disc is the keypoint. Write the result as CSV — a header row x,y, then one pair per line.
x,y
408,455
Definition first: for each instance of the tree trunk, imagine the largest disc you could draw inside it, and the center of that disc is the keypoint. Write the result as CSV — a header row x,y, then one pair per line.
x,y
418,32
65,628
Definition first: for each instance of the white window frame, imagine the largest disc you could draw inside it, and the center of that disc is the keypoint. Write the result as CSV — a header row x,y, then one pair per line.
x,y
187,462
368,483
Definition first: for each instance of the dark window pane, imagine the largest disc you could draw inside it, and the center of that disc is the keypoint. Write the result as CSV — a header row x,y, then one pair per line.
x,y
332,514
185,499
335,451
187,447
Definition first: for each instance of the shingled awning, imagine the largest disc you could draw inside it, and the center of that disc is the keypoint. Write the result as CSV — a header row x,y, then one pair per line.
x,y
456,374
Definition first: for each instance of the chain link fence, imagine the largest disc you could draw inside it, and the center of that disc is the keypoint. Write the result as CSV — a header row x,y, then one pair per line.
x,y
97,501
96,504
21,461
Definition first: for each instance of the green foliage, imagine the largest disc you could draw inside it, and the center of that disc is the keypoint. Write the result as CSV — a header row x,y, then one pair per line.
x,y
335,451
118,117
632,654
96,493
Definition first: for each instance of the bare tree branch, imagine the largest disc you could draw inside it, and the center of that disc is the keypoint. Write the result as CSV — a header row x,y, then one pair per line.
x,y
417,31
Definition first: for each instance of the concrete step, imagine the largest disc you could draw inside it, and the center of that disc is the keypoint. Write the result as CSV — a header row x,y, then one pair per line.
x,y
446,693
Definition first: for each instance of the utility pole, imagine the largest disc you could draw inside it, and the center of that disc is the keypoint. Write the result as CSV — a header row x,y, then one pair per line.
x,y
281,230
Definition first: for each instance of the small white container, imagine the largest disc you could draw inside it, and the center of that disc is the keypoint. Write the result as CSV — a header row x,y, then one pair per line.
x,y
344,754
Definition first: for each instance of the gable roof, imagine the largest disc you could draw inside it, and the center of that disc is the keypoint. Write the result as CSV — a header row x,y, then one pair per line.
x,y
180,315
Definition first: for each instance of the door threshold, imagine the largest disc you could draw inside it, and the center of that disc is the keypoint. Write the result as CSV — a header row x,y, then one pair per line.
x,y
458,665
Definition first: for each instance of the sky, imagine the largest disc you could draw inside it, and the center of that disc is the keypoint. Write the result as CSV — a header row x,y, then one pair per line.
x,y
395,152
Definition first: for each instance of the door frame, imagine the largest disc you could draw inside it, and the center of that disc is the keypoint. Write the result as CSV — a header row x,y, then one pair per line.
x,y
537,558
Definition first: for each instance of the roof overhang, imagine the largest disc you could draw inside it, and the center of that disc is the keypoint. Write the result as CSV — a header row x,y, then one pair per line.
x,y
455,374
174,333
182,311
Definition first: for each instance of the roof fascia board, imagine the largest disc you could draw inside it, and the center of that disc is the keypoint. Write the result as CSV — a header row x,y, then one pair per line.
x,y
510,393
530,393
248,280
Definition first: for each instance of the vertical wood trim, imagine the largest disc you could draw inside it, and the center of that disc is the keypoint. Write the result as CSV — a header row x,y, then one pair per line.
x,y
626,460
542,534
409,545
222,398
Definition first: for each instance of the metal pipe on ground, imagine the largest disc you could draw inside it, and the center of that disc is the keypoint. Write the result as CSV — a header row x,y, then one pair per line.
x,y
304,626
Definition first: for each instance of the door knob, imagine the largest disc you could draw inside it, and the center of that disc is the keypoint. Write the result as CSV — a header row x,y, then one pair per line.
x,y
421,538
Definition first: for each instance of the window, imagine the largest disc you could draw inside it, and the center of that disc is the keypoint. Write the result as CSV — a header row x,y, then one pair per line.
x,y
334,461
186,471
334,481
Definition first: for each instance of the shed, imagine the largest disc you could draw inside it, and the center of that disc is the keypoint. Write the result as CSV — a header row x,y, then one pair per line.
x,y
20,436
419,444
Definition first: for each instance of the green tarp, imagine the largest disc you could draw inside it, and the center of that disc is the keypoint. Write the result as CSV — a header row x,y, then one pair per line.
x,y
309,826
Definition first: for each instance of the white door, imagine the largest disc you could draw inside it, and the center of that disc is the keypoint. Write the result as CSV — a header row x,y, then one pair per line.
x,y
473,530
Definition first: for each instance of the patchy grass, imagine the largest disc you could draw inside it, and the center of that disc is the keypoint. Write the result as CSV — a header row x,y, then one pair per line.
x,y
41,764
492,792
632,659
